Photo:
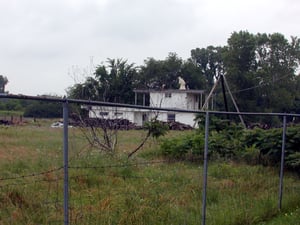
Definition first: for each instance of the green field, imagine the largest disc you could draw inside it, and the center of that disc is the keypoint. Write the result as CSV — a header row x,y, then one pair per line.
x,y
147,189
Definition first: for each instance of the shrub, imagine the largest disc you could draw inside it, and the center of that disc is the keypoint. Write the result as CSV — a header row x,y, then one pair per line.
x,y
269,143
188,146
230,141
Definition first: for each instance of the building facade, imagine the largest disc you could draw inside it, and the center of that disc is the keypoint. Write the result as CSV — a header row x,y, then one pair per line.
x,y
169,99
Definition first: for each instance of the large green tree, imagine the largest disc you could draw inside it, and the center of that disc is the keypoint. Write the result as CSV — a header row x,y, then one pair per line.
x,y
261,70
278,60
209,62
116,81
240,66
163,74
112,82
193,76
87,90
159,74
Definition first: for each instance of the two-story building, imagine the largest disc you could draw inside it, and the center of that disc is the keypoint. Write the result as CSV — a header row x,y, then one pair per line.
x,y
169,99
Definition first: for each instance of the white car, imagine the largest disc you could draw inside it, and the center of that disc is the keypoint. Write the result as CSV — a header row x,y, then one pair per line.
x,y
57,125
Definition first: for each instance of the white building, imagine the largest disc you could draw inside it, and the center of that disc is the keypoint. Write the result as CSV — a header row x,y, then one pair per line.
x,y
168,99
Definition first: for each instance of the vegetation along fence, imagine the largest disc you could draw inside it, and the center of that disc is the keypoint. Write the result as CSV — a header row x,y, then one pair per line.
x,y
105,174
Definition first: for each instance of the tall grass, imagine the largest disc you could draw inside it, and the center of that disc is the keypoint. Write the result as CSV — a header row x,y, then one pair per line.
x,y
144,190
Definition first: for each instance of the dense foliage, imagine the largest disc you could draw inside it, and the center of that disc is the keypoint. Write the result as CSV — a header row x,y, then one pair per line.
x,y
232,142
261,70
37,109
141,191
40,109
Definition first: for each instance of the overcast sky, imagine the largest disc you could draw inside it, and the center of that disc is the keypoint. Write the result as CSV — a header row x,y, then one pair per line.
x,y
46,45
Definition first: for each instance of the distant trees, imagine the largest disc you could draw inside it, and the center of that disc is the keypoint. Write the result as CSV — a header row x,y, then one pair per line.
x,y
116,81
163,74
261,70
113,82
209,62
42,109
28,108
160,74
3,83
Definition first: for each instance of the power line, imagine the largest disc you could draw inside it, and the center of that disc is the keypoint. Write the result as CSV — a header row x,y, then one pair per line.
x,y
260,85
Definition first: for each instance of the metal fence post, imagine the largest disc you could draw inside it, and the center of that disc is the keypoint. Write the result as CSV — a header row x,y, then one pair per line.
x,y
205,169
282,162
65,161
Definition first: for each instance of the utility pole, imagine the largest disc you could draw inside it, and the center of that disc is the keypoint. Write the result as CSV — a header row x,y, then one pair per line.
x,y
224,94
224,86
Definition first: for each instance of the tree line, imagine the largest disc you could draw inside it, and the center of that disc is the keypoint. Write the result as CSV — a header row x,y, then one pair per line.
x,y
261,70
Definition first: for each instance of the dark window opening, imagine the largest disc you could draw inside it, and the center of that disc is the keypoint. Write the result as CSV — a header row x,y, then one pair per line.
x,y
103,113
171,118
168,95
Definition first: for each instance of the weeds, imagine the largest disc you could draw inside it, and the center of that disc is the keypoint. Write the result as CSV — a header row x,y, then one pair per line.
x,y
112,190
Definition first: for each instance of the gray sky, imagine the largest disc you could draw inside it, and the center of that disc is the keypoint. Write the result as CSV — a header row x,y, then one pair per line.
x,y
46,45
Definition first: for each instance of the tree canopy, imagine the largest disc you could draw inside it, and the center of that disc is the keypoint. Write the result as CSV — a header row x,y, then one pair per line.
x,y
261,70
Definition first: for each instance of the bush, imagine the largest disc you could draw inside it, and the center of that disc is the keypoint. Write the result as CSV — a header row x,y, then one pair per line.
x,y
224,142
43,110
232,142
188,146
269,143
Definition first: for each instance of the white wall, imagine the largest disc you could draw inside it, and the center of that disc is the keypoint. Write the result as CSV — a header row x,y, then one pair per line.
x,y
186,118
192,102
177,100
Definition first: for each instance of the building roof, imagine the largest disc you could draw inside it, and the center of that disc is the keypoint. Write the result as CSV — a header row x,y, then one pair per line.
x,y
188,91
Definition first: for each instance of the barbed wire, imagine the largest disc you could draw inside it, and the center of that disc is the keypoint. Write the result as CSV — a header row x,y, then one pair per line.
x,y
29,182
31,175
47,196
145,163
137,163
54,189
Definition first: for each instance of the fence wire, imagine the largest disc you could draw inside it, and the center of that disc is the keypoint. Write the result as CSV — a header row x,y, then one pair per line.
x,y
101,191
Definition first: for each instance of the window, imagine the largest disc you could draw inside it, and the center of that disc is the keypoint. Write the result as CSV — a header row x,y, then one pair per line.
x,y
168,95
103,113
118,114
171,117
145,117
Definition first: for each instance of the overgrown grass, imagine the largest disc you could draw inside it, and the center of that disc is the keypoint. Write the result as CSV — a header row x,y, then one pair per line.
x,y
143,190
289,217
